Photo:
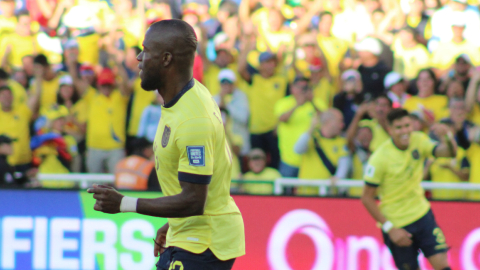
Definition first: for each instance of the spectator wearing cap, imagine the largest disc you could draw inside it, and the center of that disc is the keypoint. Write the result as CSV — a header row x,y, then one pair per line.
x,y
472,98
19,44
106,118
45,82
461,71
223,58
324,152
371,69
15,123
19,93
410,56
235,102
397,89
8,175
449,170
265,87
443,18
372,115
445,54
431,105
458,116
418,121
137,172
53,151
348,100
150,119
258,171
295,113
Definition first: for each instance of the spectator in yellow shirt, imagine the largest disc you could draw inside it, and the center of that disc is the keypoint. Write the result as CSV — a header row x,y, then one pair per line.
x,y
19,44
19,93
258,171
8,20
49,82
409,55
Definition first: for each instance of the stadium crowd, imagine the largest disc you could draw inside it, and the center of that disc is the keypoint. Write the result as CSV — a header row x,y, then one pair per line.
x,y
304,86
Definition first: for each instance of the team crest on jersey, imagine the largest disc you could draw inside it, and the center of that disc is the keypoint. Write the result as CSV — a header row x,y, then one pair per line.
x,y
415,154
166,136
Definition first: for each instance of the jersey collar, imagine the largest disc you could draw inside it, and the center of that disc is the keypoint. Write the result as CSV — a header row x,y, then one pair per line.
x,y
180,94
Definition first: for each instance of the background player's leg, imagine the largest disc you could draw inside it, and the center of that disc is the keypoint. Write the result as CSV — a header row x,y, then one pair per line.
x,y
439,261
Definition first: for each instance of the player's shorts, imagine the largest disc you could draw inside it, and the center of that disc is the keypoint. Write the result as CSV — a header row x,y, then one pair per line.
x,y
426,236
174,258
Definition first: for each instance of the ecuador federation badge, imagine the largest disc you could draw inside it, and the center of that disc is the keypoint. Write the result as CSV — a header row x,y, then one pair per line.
x,y
166,136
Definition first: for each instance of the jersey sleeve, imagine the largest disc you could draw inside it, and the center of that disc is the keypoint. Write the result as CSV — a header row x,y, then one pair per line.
x,y
195,140
426,145
375,170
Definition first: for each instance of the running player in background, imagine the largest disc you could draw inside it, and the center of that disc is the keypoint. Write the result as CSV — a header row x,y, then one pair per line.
x,y
395,170
193,161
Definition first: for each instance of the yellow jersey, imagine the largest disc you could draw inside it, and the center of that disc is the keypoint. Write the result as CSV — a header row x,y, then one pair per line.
x,y
88,49
210,77
409,61
20,46
320,160
141,99
357,175
473,155
474,115
435,103
444,56
262,95
442,175
106,120
18,92
334,50
379,134
48,98
298,123
16,125
190,146
398,174
268,174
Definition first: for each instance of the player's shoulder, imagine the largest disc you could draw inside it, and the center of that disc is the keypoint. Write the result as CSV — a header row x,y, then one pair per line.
x,y
383,151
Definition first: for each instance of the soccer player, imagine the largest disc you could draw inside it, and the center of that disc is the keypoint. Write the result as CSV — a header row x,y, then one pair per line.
x,y
193,161
395,170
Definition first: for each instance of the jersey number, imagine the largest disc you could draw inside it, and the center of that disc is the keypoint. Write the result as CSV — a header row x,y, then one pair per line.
x,y
440,237
173,265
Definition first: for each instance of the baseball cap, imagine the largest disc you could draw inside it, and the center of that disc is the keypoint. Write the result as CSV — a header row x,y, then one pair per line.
x,y
105,77
418,115
265,56
219,39
227,75
464,57
65,80
256,153
6,139
70,44
391,79
369,44
351,74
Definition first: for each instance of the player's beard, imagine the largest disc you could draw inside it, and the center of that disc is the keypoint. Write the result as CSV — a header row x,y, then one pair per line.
x,y
149,83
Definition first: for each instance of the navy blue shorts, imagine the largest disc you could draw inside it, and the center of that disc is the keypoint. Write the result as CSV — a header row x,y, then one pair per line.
x,y
426,236
174,258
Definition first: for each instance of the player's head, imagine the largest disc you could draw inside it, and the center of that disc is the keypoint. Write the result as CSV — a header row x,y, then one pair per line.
x,y
168,53
400,127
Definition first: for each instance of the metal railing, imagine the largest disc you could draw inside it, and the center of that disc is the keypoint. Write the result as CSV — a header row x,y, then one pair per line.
x,y
85,180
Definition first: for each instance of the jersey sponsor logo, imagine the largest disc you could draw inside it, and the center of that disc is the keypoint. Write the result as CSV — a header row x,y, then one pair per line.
x,y
166,136
370,171
415,154
196,155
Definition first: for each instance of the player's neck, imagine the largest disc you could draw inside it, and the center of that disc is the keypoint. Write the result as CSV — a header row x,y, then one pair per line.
x,y
398,146
172,88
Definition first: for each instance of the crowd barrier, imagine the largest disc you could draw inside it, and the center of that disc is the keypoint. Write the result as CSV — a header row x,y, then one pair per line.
x,y
86,180
58,229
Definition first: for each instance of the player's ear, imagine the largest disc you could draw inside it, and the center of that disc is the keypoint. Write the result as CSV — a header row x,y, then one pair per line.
x,y
167,58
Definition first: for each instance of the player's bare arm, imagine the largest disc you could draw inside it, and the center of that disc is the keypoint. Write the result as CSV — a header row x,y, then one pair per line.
x,y
398,235
189,202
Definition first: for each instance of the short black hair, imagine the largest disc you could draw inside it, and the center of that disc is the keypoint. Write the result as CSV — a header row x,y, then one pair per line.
x,y
384,96
4,75
301,79
5,87
21,13
41,59
396,114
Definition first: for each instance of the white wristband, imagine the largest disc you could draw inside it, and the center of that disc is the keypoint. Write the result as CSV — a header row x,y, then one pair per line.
x,y
128,204
387,226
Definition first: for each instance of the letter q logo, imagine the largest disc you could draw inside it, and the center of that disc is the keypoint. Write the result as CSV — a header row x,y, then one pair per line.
x,y
305,222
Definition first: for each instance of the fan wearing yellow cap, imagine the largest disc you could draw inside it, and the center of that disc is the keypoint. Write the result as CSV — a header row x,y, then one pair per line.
x,y
53,151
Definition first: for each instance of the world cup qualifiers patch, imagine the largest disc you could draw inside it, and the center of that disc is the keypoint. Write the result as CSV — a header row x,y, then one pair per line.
x,y
196,155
